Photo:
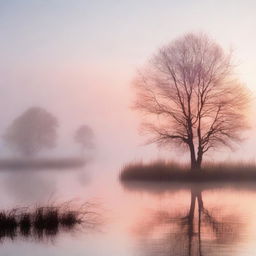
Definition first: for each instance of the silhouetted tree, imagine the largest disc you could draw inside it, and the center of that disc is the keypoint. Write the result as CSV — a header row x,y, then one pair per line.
x,y
32,131
84,136
191,97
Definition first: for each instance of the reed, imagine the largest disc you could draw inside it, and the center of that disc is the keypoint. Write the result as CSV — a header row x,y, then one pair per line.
x,y
174,172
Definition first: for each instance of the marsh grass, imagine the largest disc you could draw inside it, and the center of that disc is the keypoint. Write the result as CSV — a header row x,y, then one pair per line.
x,y
42,163
25,223
172,172
8,224
45,221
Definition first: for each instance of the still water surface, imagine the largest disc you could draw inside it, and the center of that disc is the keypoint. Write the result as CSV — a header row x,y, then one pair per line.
x,y
135,219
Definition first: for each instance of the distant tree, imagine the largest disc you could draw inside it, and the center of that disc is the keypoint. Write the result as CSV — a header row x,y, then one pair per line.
x,y
84,136
32,131
190,96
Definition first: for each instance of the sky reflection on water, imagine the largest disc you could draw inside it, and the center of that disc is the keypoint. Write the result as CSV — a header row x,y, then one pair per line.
x,y
139,219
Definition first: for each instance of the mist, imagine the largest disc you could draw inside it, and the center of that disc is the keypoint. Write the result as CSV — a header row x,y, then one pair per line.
x,y
70,131
77,62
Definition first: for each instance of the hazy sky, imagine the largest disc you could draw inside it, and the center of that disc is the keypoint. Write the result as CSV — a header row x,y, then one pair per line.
x,y
77,59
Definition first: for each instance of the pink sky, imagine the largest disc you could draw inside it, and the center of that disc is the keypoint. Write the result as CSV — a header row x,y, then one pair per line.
x,y
77,59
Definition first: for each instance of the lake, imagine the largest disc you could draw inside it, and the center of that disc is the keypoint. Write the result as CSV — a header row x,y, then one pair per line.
x,y
135,218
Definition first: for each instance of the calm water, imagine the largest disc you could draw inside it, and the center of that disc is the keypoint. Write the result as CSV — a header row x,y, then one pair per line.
x,y
135,219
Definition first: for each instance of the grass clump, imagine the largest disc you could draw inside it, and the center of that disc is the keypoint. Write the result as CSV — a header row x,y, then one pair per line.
x,y
155,171
8,224
46,220
69,219
25,224
41,222
173,172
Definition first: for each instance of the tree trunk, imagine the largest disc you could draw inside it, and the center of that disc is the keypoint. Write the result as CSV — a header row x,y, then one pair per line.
x,y
199,158
193,161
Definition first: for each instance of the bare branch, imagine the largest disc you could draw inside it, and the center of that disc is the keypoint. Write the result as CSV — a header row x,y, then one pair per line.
x,y
189,94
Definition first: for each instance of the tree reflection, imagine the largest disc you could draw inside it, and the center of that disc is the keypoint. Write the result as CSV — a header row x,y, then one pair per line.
x,y
197,232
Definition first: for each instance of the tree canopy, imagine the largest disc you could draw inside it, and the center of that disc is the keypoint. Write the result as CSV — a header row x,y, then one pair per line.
x,y
33,131
191,97
84,136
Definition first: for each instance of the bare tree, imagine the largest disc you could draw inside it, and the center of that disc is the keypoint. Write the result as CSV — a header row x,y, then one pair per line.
x,y
32,131
84,137
190,96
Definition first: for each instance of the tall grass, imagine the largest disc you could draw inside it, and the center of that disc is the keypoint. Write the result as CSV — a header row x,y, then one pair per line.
x,y
173,172
45,221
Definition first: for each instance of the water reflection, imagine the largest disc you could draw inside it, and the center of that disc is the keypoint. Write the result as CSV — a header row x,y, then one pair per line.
x,y
37,186
197,231
29,186
184,220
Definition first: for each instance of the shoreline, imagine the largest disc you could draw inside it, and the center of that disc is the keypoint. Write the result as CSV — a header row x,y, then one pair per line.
x,y
42,163
172,172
